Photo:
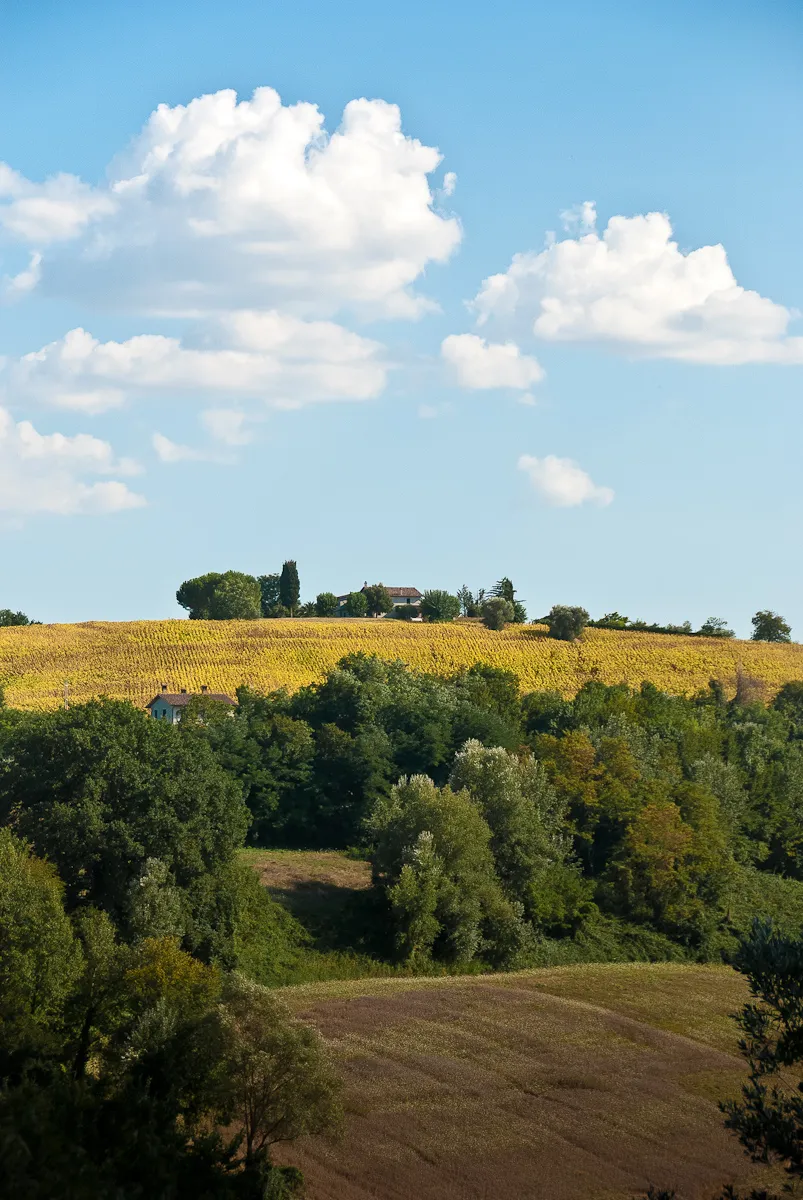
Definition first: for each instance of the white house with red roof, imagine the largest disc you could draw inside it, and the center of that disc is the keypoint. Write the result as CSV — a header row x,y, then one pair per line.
x,y
402,597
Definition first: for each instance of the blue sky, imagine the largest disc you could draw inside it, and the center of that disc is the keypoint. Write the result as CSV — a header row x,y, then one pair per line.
x,y
290,347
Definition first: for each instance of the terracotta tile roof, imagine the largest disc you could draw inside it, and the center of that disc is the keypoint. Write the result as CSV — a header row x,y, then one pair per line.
x,y
179,699
402,593
395,594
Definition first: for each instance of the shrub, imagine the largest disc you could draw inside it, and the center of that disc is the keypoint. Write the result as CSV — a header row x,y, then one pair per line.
x,y
567,622
439,606
497,612
326,604
405,612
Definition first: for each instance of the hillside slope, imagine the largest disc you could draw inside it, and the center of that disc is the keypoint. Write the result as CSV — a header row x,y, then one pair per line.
x,y
575,1083
131,659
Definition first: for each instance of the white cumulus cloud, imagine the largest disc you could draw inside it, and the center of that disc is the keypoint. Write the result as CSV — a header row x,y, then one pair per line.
x,y
633,287
220,204
481,364
46,473
562,483
272,357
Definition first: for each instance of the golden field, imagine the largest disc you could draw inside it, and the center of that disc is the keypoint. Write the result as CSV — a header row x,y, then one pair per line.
x,y
131,659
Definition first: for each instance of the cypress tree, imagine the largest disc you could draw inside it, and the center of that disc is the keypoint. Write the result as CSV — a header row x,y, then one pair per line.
x,y
289,587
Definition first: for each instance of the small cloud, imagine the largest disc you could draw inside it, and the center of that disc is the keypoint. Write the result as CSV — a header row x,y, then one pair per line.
x,y
562,483
226,425
580,218
172,452
427,412
527,399
14,286
479,364
449,183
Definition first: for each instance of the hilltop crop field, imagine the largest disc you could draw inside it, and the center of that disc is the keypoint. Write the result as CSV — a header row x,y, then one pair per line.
x,y
571,1083
132,659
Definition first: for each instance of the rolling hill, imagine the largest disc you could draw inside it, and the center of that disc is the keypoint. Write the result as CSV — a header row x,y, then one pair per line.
x,y
571,1083
132,659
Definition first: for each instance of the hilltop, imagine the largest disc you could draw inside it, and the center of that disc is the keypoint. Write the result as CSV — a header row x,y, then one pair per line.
x,y
131,659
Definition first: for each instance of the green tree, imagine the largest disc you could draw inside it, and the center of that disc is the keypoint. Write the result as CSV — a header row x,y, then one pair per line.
x,y
156,906
470,603
196,595
101,788
40,959
269,593
326,604
504,590
261,745
567,622
289,586
414,902
378,599
768,1119
789,701
280,1083
769,627
472,914
356,604
716,627
497,612
7,617
235,597
439,606
528,834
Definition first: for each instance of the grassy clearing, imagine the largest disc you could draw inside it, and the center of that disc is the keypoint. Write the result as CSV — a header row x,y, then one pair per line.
x,y
130,660
573,1083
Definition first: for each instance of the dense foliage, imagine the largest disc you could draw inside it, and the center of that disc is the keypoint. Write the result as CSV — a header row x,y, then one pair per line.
x,y
620,814
125,1066
8,617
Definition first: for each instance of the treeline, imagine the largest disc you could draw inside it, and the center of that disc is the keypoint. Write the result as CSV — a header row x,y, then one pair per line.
x,y
567,623
504,829
233,595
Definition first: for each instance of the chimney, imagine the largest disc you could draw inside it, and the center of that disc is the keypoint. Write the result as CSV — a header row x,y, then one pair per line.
x,y
204,688
164,687
184,691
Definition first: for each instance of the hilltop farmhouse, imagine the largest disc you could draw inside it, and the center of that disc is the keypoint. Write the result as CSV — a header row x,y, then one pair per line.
x,y
401,597
168,706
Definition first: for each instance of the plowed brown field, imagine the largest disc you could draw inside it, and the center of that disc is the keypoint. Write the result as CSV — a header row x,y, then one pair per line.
x,y
572,1083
